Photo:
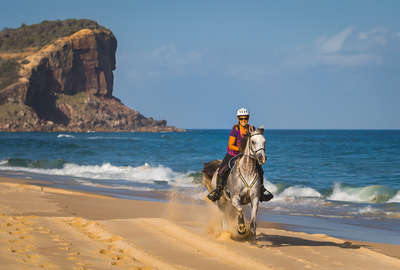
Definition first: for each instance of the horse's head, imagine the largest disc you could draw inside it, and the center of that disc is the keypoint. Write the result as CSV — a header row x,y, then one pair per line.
x,y
257,145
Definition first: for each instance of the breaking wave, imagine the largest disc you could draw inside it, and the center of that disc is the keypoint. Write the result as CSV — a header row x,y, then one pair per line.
x,y
368,194
65,136
395,199
145,174
164,176
299,191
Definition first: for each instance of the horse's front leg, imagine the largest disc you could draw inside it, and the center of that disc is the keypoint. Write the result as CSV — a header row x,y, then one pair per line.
x,y
254,209
236,204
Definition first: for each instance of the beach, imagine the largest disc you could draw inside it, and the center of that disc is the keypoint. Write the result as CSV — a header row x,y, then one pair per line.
x,y
346,187
51,228
108,125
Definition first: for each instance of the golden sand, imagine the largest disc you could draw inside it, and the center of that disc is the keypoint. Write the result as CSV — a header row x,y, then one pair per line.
x,y
49,228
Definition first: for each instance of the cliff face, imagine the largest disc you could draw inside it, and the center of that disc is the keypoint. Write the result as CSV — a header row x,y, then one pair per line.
x,y
68,86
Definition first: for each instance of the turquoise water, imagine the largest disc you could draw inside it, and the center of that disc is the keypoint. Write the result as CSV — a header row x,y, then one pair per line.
x,y
330,174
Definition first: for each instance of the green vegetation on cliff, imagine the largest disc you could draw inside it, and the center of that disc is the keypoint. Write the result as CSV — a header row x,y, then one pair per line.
x,y
9,111
38,35
8,72
73,100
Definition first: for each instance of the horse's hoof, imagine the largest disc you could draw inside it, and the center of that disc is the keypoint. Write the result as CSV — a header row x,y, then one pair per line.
x,y
241,229
253,241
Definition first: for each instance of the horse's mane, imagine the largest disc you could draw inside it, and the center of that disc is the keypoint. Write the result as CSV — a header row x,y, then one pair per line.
x,y
243,143
244,140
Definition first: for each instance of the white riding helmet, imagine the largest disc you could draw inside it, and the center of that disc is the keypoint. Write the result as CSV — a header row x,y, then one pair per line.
x,y
242,112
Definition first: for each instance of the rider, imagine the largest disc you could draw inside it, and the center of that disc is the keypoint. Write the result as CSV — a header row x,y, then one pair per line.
x,y
235,136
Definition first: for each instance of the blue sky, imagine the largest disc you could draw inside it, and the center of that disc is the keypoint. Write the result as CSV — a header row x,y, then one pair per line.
x,y
293,64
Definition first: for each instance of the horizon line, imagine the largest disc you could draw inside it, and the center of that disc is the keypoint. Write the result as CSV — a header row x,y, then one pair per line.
x,y
361,129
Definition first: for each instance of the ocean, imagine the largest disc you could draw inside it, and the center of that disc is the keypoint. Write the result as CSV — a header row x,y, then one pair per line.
x,y
344,183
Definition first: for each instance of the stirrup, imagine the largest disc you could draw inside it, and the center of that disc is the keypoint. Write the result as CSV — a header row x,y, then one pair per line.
x,y
215,194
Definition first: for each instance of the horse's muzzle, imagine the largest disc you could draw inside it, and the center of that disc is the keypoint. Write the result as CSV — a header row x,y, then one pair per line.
x,y
261,159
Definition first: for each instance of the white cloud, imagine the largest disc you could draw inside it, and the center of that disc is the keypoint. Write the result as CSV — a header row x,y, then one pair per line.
x,y
334,43
345,48
375,35
348,48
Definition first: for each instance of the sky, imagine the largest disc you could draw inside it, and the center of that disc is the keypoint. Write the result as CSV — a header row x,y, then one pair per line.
x,y
303,64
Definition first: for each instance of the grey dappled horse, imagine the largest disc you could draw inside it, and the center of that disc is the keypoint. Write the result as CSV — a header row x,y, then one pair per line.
x,y
243,183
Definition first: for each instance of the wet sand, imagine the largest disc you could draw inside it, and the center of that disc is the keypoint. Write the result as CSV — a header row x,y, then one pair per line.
x,y
49,228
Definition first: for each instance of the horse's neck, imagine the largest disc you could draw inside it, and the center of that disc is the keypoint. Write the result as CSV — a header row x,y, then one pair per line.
x,y
247,164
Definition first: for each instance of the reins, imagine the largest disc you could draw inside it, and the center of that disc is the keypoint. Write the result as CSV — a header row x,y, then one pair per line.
x,y
251,148
245,182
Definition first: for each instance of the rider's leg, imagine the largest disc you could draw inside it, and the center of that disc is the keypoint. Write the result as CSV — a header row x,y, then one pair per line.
x,y
223,172
221,182
265,195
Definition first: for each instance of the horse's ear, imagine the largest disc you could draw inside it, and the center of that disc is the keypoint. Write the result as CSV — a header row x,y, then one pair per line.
x,y
261,129
251,129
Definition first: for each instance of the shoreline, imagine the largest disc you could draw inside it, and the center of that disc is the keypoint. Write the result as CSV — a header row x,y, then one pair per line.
x,y
312,220
64,229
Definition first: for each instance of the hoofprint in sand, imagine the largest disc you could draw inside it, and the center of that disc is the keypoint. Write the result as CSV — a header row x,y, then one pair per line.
x,y
47,228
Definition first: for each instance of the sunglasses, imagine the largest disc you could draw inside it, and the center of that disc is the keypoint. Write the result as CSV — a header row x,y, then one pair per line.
x,y
243,118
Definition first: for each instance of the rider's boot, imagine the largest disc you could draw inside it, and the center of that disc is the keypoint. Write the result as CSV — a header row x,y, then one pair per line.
x,y
216,193
265,197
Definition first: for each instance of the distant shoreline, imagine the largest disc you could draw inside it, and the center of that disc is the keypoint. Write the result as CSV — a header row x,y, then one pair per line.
x,y
180,130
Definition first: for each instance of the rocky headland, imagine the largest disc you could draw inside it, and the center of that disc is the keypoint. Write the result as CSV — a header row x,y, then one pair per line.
x,y
64,82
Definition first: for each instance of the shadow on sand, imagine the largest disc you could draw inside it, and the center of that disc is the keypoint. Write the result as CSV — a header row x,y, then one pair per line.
x,y
282,241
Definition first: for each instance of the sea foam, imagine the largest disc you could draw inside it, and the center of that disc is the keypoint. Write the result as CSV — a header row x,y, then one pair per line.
x,y
299,191
396,198
368,210
65,136
113,138
270,186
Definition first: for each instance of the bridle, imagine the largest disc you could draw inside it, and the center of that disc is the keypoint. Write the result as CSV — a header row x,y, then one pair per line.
x,y
249,145
251,150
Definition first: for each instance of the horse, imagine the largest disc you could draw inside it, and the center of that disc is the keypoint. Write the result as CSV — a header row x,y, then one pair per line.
x,y
243,182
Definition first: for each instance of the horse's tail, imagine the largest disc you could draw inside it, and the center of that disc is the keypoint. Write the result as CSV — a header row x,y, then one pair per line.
x,y
208,172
